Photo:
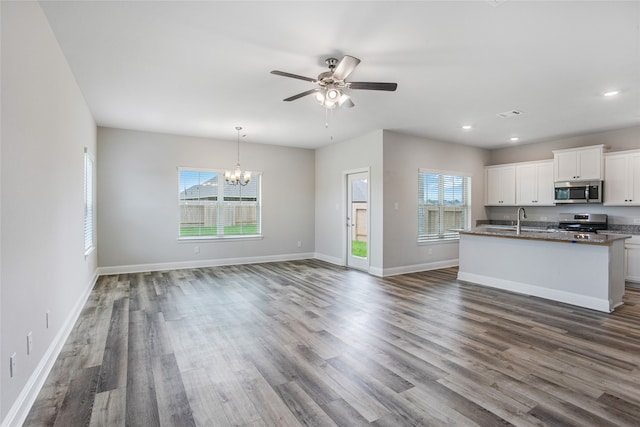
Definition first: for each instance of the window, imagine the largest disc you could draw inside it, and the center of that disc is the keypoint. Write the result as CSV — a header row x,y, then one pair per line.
x,y
88,203
211,208
444,204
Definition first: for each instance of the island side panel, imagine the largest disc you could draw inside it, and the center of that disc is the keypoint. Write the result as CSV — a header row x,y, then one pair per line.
x,y
573,273
616,271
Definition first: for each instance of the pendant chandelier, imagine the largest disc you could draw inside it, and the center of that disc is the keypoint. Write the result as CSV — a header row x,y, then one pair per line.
x,y
237,176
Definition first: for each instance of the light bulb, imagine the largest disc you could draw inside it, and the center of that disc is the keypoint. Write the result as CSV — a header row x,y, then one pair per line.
x,y
333,94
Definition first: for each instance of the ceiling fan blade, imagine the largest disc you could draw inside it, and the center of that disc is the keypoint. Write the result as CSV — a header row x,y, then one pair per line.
x,y
373,86
293,76
300,95
345,67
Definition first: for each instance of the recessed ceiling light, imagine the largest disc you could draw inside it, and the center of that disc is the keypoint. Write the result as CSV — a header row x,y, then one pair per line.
x,y
466,127
514,139
611,93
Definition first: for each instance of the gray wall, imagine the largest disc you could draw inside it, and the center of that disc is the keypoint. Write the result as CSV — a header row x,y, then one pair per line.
x,y
403,156
45,127
332,162
616,140
138,200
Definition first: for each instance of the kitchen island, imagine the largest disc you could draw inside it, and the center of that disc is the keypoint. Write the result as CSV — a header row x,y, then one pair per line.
x,y
582,269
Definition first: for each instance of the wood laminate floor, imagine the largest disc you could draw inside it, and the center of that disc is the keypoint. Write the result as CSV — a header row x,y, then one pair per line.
x,y
308,343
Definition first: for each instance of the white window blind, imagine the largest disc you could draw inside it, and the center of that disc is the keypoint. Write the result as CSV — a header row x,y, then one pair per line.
x,y
444,205
211,208
88,203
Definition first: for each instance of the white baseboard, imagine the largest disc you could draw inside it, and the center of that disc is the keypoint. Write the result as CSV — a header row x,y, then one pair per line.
x,y
178,265
538,291
376,271
406,269
329,259
384,272
22,405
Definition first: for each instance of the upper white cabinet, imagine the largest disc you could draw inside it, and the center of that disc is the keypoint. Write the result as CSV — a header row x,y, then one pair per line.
x,y
500,185
622,178
534,184
579,164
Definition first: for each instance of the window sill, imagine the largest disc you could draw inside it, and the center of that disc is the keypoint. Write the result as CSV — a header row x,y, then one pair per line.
x,y
219,238
448,240
89,252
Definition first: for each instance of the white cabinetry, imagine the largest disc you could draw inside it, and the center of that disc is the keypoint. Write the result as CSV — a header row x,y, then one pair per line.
x,y
500,185
579,164
622,178
632,259
534,184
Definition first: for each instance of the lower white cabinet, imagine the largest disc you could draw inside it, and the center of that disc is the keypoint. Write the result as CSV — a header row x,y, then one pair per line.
x,y
632,262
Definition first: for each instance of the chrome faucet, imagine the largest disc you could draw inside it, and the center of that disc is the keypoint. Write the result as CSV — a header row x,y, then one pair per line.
x,y
524,214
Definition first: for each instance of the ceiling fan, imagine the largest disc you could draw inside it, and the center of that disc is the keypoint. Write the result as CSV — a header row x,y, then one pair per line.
x,y
330,92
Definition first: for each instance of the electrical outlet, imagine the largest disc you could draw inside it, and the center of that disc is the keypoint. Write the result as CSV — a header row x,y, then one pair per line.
x,y
299,243
543,218
430,251
636,220
196,249
29,342
12,365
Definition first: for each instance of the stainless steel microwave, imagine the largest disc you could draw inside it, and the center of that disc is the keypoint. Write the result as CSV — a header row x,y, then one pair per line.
x,y
578,192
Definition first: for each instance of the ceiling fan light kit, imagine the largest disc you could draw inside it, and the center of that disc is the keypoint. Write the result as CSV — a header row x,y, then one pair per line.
x,y
330,92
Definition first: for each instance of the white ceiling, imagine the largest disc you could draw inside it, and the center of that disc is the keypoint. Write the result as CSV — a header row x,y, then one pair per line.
x,y
202,68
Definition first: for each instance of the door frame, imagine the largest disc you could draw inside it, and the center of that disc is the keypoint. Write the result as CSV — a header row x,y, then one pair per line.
x,y
347,213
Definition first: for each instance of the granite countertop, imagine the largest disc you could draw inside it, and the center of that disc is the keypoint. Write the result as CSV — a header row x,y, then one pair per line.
x,y
532,234
627,229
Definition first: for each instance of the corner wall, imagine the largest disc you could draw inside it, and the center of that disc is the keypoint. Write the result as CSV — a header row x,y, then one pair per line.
x,y
332,162
45,127
404,155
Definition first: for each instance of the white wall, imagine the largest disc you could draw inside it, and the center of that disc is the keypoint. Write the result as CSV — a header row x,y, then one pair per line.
x,y
403,156
45,127
138,200
615,140
332,162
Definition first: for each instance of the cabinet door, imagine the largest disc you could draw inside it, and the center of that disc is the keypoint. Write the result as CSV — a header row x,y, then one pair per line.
x,y
616,180
526,181
493,190
565,166
634,179
501,186
632,263
589,163
508,183
544,178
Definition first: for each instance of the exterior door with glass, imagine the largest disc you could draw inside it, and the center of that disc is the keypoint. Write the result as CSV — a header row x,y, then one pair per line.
x,y
358,220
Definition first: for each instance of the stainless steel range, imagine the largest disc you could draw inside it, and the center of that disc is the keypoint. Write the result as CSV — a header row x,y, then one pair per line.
x,y
582,223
